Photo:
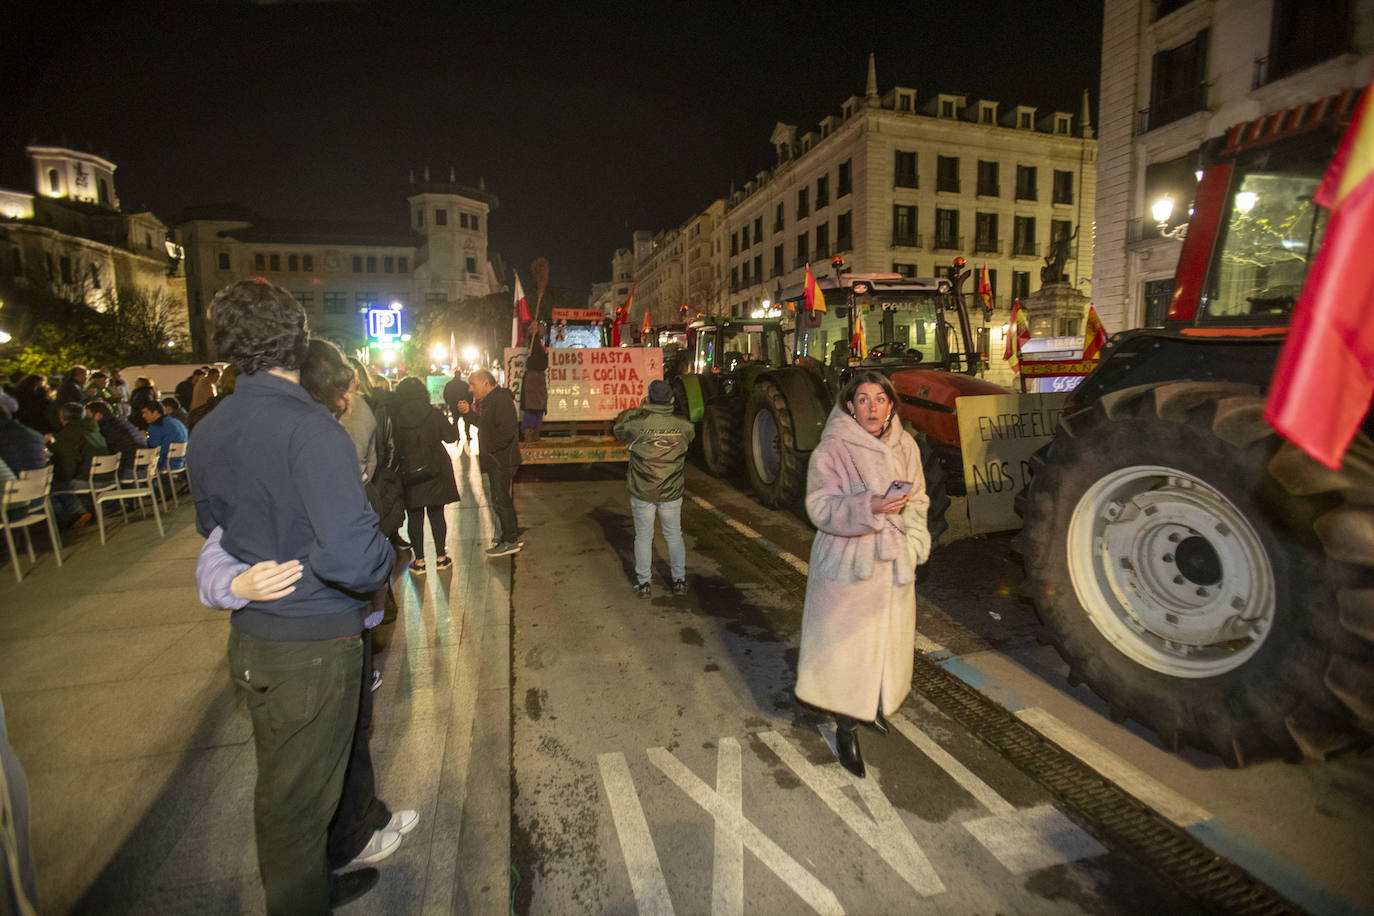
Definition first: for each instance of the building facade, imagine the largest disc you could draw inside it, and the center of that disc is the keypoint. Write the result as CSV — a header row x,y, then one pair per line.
x,y
338,270
70,237
1176,73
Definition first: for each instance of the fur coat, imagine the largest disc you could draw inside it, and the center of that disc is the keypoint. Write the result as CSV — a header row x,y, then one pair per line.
x,y
859,624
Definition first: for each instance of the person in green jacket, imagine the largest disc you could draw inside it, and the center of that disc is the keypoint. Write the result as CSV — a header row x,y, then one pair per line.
x,y
657,440
75,444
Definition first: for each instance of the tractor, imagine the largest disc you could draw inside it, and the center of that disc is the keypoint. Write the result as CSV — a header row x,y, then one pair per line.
x,y
1201,574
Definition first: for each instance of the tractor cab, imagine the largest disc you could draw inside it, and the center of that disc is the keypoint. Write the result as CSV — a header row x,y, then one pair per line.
x,y
726,349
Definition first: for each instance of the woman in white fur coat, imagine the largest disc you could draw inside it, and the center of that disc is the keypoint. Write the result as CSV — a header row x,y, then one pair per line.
x,y
859,624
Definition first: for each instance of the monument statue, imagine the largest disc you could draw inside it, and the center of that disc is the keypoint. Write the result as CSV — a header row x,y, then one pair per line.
x,y
1058,256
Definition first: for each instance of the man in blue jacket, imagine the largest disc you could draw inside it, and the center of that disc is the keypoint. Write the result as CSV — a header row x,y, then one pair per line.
x,y
280,476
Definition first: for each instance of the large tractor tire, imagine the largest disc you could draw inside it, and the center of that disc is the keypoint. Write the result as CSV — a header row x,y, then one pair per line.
x,y
776,469
1206,578
720,438
937,488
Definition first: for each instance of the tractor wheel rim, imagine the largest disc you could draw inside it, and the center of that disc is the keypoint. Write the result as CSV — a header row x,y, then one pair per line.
x,y
767,451
1171,572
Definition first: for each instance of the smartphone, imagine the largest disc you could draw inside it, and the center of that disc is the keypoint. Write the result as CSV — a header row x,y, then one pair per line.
x,y
899,488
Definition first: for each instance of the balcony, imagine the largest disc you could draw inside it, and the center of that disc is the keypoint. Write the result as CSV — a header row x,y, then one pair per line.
x,y
906,240
949,243
1166,111
987,246
1025,249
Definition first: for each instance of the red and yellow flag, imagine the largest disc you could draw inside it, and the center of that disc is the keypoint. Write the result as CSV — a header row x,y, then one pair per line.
x,y
858,344
1018,332
1094,335
985,292
645,332
520,314
815,298
1324,379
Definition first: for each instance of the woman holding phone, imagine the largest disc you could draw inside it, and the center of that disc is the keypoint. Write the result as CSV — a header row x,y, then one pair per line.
x,y
866,495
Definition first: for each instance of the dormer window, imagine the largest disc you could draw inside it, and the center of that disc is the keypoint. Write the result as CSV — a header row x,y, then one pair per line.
x,y
987,115
946,109
848,111
1025,122
904,101
53,183
1061,125
825,128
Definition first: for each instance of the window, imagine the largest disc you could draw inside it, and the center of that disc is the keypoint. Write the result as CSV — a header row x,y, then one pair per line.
x,y
293,262
224,260
53,183
947,173
758,229
372,263
844,232
744,272
777,261
441,217
947,229
1020,284
307,300
95,277
744,238
308,262
758,268
985,234
274,261
420,218
470,264
462,220
1298,38
904,227
803,252
734,244
357,263
777,220
904,172
1025,182
822,241
1178,81
803,203
147,240
946,109
906,270
388,265
989,184
436,299
365,299
1158,295
334,304
822,191
903,102
472,223
844,181
1024,236
1063,187
987,115
734,279
1025,120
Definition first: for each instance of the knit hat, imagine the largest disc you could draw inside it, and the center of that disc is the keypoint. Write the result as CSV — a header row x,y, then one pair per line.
x,y
660,392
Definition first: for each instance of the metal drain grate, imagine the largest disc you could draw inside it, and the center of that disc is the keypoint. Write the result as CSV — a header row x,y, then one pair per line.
x,y
1121,821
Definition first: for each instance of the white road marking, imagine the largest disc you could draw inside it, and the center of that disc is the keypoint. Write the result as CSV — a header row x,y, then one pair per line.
x,y
1148,790
729,818
790,559
727,883
636,844
1022,840
883,831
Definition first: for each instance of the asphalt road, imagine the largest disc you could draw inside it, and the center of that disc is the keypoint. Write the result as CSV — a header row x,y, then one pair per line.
x,y
660,763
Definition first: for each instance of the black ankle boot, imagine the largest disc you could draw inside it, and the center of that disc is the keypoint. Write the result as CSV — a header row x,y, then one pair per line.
x,y
847,745
879,724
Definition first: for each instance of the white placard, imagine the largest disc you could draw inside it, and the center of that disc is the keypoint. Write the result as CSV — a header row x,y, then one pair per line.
x,y
591,384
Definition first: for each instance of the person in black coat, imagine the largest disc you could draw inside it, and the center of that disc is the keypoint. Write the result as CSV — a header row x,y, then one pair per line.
x,y
498,430
455,391
420,431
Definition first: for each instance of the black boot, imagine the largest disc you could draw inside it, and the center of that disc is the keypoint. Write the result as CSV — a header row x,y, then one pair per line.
x,y
847,745
879,724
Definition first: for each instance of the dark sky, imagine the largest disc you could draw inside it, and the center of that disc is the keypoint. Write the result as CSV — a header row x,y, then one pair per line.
x,y
588,122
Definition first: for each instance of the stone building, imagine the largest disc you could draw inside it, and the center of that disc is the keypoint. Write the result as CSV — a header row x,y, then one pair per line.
x,y
339,269
70,236
1176,73
901,183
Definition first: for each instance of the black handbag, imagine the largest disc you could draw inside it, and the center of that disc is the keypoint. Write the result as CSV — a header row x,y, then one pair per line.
x,y
386,493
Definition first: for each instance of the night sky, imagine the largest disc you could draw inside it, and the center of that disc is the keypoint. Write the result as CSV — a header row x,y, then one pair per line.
x,y
587,122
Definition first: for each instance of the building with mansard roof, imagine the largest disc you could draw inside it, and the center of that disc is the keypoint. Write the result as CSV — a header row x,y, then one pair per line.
x,y
1176,73
338,269
71,237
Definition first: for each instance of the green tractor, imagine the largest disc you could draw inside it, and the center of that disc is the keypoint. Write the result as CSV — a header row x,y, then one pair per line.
x,y
716,371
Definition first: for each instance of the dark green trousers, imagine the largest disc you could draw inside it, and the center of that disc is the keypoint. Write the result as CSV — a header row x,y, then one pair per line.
x,y
303,698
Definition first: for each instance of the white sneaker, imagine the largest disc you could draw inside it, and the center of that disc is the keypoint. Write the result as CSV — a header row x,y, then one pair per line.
x,y
403,821
383,843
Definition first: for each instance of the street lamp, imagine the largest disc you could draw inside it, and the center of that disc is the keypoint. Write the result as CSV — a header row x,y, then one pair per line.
x,y
1162,210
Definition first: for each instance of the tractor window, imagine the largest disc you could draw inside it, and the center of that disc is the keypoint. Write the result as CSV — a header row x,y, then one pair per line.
x,y
752,342
1266,245
907,321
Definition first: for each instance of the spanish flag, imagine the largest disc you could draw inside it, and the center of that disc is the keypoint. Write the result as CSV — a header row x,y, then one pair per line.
x,y
985,292
1018,333
1325,375
645,333
858,344
815,299
1094,335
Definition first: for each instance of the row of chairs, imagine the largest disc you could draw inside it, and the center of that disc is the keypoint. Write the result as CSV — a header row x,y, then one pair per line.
x,y
27,502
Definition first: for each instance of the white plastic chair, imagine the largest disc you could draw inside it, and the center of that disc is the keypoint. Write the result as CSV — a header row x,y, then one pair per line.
x,y
28,498
175,450
144,483
102,486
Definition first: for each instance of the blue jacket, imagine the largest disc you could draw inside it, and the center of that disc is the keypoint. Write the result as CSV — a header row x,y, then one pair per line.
x,y
163,433
280,476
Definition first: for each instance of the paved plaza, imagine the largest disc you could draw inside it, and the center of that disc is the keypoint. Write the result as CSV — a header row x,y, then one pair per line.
x,y
139,754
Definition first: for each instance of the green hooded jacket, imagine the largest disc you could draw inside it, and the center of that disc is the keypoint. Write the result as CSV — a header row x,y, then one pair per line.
x,y
657,440
73,447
